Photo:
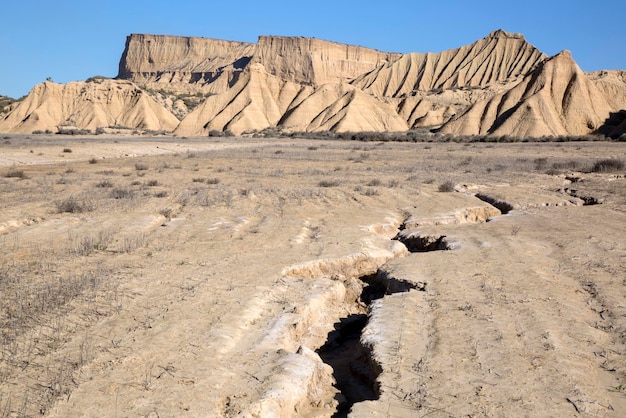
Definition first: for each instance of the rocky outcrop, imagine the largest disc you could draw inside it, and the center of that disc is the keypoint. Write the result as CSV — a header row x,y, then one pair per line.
x,y
314,62
555,99
175,62
501,56
87,105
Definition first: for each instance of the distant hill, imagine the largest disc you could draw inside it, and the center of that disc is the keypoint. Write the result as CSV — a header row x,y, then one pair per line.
x,y
498,85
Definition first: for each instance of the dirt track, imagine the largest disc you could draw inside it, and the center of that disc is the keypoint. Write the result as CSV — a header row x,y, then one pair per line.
x,y
198,278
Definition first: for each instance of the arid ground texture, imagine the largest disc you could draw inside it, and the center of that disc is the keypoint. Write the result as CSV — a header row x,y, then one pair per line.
x,y
260,277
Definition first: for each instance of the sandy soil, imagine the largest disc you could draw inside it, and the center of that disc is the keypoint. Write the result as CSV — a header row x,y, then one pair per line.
x,y
246,277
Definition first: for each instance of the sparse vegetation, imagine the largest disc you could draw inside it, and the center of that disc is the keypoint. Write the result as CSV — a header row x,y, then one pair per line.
x,y
328,183
15,173
75,204
87,265
72,131
122,193
607,165
446,187
141,167
106,183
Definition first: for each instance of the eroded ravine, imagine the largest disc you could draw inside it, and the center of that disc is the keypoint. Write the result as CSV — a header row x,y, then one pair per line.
x,y
354,368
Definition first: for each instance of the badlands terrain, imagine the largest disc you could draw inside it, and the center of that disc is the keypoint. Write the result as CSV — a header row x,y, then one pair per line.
x,y
259,277
226,229
500,85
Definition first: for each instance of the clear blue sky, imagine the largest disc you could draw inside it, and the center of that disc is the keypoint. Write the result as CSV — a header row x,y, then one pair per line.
x,y
71,40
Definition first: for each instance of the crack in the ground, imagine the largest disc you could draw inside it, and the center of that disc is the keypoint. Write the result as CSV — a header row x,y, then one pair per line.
x,y
355,370
504,207
417,243
587,200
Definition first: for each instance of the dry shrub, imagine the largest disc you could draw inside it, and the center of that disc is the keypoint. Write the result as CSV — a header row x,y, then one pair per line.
x,y
328,183
607,165
75,204
446,187
15,173
122,193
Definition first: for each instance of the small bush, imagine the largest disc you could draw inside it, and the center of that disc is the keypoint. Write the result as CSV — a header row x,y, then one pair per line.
x,y
213,181
75,204
152,183
67,150
73,131
446,187
122,193
607,165
141,167
540,163
106,183
328,183
374,183
93,161
15,173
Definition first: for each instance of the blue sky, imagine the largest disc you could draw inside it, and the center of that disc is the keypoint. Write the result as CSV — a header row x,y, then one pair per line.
x,y
73,40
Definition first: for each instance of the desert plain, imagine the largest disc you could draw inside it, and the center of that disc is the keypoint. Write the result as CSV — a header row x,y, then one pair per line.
x,y
261,277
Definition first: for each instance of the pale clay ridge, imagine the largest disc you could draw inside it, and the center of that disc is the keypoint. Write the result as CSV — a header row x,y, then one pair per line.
x,y
260,100
498,57
499,85
87,105
555,99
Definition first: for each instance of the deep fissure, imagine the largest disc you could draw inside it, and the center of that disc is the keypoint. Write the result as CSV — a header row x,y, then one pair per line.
x,y
354,368
504,207
417,243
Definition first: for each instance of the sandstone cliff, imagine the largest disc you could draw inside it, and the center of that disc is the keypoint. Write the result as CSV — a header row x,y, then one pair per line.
x,y
176,63
555,99
313,61
500,56
87,105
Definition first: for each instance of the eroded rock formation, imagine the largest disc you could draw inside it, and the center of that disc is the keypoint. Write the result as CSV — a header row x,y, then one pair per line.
x,y
498,85
87,105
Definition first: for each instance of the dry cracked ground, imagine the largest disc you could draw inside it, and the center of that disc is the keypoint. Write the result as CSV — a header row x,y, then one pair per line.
x,y
251,277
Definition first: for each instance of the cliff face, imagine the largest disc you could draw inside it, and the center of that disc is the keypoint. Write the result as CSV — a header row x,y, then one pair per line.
x,y
176,61
314,62
187,64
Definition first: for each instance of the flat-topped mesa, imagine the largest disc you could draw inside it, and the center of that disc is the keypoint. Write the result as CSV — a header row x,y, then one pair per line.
x,y
179,60
312,61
